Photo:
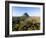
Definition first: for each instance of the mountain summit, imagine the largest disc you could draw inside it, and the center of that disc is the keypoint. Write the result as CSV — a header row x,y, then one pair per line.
x,y
26,14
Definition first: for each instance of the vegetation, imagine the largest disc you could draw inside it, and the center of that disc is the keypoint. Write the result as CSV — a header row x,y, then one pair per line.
x,y
25,23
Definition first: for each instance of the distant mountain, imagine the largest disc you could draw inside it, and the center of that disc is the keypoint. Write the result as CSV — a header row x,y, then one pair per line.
x,y
26,14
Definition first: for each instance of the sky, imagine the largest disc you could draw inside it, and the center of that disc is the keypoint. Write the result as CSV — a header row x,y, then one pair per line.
x,y
31,11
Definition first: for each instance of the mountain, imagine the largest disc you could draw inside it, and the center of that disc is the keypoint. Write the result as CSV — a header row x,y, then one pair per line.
x,y
26,14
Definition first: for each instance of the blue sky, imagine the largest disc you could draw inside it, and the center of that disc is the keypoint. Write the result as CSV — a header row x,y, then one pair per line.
x,y
19,11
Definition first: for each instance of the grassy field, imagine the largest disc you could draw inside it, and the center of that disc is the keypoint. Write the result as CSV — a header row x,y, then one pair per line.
x,y
25,23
